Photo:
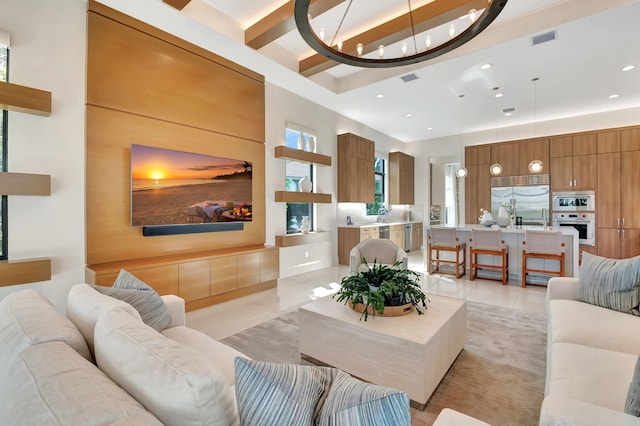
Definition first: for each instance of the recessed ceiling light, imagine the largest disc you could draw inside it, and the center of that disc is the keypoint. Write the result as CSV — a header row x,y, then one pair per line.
x,y
429,128
615,95
498,95
628,68
507,114
379,96
408,114
485,66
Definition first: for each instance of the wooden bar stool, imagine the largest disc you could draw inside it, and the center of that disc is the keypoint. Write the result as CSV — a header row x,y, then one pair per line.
x,y
488,242
546,245
445,239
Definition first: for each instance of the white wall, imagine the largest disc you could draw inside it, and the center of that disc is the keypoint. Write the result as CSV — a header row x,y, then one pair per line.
x,y
48,41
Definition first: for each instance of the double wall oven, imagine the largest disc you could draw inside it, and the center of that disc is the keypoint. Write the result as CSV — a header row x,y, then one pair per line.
x,y
576,209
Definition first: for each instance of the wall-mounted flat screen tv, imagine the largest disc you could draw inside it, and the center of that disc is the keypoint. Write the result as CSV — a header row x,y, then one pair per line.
x,y
171,187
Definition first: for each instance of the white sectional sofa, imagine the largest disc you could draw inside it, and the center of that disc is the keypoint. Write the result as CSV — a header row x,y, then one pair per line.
x,y
591,356
108,363
48,375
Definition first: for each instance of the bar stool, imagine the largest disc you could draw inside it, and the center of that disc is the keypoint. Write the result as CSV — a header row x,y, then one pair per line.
x,y
546,245
444,239
488,242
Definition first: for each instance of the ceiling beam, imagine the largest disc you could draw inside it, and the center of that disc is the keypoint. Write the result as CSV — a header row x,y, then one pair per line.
x,y
280,22
426,17
178,4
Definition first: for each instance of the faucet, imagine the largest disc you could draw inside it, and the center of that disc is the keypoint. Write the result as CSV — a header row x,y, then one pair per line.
x,y
544,218
382,212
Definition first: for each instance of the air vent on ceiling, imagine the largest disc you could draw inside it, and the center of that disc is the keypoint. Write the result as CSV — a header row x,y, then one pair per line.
x,y
409,77
509,110
543,38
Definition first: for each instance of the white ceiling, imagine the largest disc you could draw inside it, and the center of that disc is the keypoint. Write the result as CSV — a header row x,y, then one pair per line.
x,y
577,72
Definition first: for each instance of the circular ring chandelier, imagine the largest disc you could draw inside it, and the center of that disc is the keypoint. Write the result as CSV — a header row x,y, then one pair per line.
x,y
354,56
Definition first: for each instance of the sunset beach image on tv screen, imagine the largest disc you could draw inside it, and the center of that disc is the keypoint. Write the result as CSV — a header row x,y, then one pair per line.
x,y
170,187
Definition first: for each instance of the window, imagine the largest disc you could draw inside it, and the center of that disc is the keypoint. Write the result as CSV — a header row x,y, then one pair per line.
x,y
295,172
378,186
4,70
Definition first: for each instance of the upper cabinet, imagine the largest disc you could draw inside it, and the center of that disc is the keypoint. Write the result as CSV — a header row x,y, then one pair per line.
x,y
401,178
529,150
506,154
573,162
355,169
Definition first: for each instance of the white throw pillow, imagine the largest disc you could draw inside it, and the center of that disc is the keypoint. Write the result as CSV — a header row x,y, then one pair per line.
x,y
84,305
172,381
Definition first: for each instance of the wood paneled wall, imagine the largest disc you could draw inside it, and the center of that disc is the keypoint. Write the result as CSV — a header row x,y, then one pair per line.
x,y
148,87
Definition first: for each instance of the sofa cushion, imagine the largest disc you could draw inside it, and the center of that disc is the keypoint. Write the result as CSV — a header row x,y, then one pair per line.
x,y
351,401
146,300
593,375
28,318
632,404
51,384
571,321
270,393
610,283
562,411
215,352
84,305
172,381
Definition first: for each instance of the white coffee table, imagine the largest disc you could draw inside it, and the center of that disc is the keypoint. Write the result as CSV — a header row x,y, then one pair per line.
x,y
410,352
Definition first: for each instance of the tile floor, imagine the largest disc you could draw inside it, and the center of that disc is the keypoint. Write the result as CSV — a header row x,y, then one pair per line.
x,y
225,319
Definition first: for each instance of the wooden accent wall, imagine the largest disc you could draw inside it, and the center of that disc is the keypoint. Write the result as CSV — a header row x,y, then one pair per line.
x,y
148,87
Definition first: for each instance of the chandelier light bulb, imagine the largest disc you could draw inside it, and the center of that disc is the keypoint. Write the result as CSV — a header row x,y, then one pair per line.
x,y
427,41
340,44
452,30
404,48
473,14
461,173
321,34
359,49
381,51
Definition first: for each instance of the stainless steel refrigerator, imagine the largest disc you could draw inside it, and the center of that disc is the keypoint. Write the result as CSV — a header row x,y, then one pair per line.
x,y
528,194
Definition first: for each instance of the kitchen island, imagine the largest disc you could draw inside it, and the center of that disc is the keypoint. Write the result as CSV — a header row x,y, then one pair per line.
x,y
513,238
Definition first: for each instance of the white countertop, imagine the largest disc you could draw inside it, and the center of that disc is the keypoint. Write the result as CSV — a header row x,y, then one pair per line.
x,y
376,224
565,230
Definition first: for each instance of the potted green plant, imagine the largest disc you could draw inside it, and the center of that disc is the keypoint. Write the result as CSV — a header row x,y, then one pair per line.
x,y
380,285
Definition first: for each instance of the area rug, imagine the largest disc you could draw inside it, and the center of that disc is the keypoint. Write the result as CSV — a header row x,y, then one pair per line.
x,y
498,378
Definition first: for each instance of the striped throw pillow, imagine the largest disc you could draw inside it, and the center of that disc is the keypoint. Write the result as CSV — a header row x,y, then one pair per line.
x,y
632,405
138,294
354,402
288,394
278,394
610,283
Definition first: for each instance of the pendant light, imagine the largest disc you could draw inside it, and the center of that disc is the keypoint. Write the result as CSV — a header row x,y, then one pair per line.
x,y
535,166
496,168
462,172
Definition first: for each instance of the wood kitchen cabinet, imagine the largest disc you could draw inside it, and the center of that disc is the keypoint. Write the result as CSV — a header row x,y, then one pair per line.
x,y
507,154
477,184
355,169
396,235
573,162
618,201
533,149
401,178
